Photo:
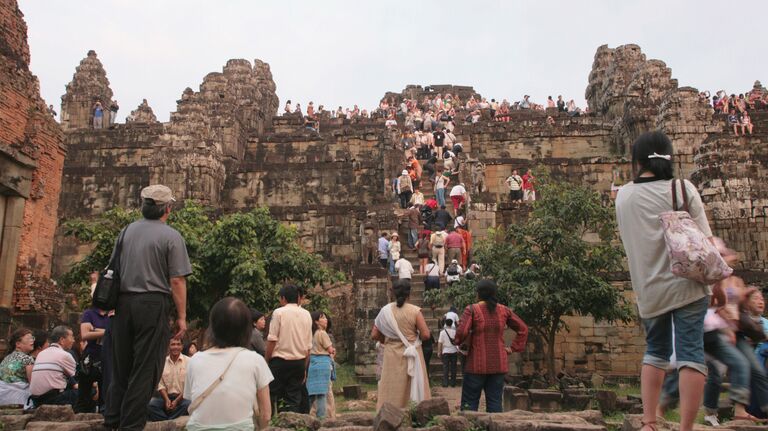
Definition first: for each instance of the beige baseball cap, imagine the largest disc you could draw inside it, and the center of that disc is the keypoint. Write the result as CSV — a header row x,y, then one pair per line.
x,y
159,193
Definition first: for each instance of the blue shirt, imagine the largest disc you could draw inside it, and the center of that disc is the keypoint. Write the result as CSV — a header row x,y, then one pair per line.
x,y
762,348
98,321
98,112
383,248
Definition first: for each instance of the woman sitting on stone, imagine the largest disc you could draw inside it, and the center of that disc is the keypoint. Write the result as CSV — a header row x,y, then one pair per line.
x,y
400,327
228,384
486,363
16,369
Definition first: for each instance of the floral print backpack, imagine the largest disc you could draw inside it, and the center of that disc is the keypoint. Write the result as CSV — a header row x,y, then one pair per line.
x,y
691,254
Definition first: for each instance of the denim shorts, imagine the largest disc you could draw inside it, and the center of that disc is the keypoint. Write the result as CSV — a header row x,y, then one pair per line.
x,y
687,322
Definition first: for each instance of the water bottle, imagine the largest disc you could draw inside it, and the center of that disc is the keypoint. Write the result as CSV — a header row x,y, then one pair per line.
x,y
109,274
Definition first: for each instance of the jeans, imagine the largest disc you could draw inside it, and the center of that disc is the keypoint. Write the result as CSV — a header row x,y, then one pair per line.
x,y
413,236
440,196
449,369
157,412
391,264
738,371
320,404
757,375
689,337
474,384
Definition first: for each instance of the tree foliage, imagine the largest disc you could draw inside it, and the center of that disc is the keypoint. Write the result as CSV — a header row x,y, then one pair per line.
x,y
558,263
248,255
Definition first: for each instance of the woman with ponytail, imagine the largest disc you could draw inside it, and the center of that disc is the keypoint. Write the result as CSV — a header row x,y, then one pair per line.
x,y
482,331
400,327
663,297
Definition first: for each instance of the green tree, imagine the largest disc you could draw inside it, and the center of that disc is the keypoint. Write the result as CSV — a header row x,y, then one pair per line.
x,y
248,255
558,263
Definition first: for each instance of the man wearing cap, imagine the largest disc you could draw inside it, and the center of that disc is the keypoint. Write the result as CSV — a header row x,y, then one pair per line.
x,y
153,267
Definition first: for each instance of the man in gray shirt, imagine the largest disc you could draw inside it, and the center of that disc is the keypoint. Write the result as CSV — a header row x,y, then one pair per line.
x,y
153,267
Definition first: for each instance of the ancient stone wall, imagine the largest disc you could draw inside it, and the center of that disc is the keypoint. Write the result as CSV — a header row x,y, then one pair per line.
x,y
31,160
224,147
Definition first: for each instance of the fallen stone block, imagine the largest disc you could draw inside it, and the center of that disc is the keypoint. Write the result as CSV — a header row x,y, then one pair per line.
x,y
606,400
358,418
59,426
293,420
82,417
453,423
354,392
427,409
359,406
543,400
515,399
389,418
48,413
14,422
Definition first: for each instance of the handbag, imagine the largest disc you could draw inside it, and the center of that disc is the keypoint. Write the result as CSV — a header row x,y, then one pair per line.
x,y
467,344
751,328
691,254
108,285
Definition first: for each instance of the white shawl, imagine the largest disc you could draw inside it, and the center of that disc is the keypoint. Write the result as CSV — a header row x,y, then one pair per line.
x,y
387,325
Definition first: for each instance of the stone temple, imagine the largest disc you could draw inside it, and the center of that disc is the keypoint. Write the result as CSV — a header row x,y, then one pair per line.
x,y
225,146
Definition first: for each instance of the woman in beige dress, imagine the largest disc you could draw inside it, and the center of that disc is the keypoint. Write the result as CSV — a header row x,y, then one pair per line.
x,y
403,375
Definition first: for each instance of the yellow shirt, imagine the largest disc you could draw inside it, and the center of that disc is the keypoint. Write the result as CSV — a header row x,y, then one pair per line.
x,y
291,329
321,342
174,374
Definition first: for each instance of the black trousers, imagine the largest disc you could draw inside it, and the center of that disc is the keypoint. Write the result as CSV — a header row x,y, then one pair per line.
x,y
85,402
140,336
287,389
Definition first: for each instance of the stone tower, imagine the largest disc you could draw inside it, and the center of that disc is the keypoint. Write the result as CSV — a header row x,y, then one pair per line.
x,y
89,84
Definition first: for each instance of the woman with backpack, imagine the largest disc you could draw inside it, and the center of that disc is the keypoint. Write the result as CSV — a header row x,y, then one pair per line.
x,y
422,248
453,272
432,281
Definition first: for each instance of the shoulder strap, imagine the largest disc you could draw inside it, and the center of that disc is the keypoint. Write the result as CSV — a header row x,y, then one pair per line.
x,y
684,192
114,263
197,401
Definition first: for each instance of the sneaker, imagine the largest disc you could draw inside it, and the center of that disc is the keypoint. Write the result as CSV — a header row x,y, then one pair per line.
x,y
711,420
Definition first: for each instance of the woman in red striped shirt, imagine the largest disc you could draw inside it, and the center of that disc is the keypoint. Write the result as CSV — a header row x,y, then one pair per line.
x,y
482,327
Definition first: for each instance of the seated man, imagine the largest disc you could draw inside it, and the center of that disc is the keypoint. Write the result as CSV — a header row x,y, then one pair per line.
x,y
53,368
171,404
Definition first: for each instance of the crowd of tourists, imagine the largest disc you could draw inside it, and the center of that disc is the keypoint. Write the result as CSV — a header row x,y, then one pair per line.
x,y
130,367
737,108
699,320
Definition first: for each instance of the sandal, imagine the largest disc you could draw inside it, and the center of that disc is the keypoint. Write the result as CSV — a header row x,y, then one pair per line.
x,y
650,424
750,418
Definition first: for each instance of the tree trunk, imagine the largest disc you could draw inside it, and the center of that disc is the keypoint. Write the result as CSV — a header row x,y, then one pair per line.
x,y
551,356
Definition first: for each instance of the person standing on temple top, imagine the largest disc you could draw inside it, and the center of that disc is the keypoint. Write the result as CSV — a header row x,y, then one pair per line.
x,y
52,112
400,327
414,221
441,183
298,109
98,115
525,103
288,108
560,104
153,268
404,189
113,108
515,184
383,248
661,295
529,186
288,348
459,197
437,240
311,110
550,102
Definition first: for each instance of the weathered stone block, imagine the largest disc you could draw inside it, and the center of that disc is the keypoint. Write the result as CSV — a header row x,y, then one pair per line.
x,y
606,400
354,392
543,400
427,409
389,418
516,399
14,422
296,420
49,413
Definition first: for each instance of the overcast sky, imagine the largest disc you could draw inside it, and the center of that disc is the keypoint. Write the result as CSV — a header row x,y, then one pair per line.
x,y
352,52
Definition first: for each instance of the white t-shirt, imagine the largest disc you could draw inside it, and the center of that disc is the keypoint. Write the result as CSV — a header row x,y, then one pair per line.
x,y
230,405
458,190
404,268
448,347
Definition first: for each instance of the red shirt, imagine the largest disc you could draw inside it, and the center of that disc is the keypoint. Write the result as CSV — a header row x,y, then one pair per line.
x,y
486,353
528,181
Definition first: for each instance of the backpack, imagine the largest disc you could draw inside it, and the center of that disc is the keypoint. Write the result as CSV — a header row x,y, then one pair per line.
x,y
453,269
424,247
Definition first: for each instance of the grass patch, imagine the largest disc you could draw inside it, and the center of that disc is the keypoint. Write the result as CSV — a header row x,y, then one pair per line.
x,y
345,376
